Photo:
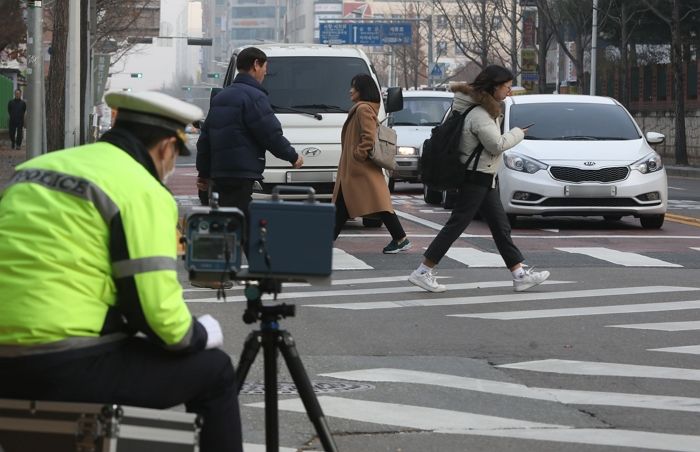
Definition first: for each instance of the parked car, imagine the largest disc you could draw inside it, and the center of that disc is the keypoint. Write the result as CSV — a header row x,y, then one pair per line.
x,y
422,110
584,156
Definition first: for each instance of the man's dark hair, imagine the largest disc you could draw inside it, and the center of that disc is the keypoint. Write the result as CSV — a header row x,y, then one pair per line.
x,y
490,78
246,59
366,88
148,135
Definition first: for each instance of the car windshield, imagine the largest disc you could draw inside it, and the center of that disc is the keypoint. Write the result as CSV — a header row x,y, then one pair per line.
x,y
573,121
421,111
319,84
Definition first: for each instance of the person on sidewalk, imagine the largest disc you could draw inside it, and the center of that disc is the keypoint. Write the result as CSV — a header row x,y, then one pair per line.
x,y
360,188
17,110
88,246
479,194
240,126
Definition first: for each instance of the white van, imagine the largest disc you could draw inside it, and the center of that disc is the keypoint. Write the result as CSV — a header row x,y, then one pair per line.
x,y
308,86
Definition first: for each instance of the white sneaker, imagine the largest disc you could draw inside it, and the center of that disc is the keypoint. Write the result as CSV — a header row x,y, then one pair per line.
x,y
426,281
531,278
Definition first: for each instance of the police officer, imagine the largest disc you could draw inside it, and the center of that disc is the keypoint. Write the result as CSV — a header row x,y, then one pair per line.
x,y
88,250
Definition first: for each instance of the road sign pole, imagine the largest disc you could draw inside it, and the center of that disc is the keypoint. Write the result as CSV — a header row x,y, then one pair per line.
x,y
35,68
430,51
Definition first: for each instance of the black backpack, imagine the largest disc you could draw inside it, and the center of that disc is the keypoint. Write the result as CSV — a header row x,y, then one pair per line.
x,y
440,165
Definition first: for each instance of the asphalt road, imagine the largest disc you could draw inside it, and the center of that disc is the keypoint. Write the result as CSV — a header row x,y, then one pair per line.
x,y
603,357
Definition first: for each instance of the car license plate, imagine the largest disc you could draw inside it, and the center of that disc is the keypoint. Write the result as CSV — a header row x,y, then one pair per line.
x,y
590,191
311,176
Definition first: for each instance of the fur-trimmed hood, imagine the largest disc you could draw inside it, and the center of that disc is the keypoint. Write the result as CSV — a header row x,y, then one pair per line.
x,y
466,96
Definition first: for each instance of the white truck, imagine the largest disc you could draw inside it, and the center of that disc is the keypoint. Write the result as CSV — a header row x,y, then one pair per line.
x,y
308,86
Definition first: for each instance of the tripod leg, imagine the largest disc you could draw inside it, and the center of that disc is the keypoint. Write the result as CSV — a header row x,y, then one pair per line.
x,y
269,339
306,391
251,346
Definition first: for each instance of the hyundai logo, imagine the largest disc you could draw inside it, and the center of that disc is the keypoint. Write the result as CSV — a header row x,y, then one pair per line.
x,y
310,152
589,163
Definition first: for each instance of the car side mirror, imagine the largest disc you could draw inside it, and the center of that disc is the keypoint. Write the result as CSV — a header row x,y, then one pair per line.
x,y
655,137
394,99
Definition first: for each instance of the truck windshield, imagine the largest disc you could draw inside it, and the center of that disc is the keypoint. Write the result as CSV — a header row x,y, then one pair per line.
x,y
321,84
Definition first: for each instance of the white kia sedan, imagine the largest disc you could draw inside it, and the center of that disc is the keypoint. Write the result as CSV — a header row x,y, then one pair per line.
x,y
582,156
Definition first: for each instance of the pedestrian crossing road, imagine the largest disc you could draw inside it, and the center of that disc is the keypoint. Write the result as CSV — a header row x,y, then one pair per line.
x,y
605,356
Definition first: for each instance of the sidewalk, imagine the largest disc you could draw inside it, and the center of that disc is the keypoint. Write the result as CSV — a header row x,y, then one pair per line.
x,y
9,158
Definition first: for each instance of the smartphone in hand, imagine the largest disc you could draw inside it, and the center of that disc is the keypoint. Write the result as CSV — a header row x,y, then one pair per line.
x,y
527,126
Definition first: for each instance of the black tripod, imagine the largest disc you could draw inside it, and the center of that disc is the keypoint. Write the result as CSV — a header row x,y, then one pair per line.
x,y
272,338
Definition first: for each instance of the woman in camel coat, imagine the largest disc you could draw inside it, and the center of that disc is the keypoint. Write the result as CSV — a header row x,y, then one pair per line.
x,y
360,188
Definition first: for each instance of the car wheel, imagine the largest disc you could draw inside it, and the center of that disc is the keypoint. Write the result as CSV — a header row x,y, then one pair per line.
x,y
391,185
431,196
449,199
372,222
612,217
652,221
512,219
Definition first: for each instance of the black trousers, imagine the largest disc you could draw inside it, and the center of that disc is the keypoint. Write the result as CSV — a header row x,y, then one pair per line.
x,y
16,132
139,373
476,195
390,220
234,193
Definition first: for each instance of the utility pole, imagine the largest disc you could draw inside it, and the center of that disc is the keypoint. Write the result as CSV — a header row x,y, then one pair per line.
x,y
430,51
72,126
35,68
594,47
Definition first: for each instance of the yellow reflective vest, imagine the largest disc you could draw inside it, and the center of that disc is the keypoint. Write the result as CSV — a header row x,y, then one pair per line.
x,y
88,253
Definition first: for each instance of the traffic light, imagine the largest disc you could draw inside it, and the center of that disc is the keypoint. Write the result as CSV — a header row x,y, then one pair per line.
x,y
213,75
136,75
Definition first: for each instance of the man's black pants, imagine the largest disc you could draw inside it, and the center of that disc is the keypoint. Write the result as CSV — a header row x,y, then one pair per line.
x,y
16,133
135,372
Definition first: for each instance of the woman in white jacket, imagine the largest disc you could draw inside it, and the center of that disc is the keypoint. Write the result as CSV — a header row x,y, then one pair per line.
x,y
478,194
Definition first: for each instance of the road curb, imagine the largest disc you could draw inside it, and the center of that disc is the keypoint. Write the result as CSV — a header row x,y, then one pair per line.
x,y
692,172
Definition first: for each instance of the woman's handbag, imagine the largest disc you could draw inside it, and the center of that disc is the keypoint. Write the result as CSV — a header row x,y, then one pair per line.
x,y
384,153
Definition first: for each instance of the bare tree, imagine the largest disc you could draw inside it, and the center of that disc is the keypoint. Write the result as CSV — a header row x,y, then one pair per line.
x,y
411,60
570,20
474,26
13,30
673,13
625,16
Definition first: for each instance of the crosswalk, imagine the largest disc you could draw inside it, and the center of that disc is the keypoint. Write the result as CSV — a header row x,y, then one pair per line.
x,y
469,421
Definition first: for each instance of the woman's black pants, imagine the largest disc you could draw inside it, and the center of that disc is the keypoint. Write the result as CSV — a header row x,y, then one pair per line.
x,y
390,220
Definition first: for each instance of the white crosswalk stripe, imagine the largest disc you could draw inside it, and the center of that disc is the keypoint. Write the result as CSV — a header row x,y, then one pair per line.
x,y
464,423
472,257
572,397
344,261
663,326
691,349
562,366
619,257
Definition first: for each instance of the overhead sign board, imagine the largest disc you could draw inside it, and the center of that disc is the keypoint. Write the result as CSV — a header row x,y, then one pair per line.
x,y
370,34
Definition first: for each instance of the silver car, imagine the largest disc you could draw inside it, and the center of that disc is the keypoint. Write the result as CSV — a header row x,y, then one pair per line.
x,y
583,156
422,110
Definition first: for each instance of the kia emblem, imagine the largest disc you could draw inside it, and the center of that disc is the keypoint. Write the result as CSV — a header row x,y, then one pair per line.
x,y
589,163
310,152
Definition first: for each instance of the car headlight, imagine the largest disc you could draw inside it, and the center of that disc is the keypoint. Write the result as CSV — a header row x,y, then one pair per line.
x,y
518,162
650,163
406,150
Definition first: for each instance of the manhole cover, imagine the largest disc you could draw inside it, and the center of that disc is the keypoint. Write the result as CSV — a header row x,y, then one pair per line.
x,y
320,387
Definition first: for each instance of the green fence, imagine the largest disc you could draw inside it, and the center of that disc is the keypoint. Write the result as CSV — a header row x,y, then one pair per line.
x,y
6,94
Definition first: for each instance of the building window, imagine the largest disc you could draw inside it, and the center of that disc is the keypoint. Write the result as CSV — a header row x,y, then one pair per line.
x,y
442,21
252,12
459,21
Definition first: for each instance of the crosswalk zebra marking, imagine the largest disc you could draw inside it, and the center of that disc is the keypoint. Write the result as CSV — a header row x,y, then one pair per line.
x,y
475,258
585,311
517,297
662,326
690,349
248,447
408,288
345,261
566,396
464,423
619,257
562,366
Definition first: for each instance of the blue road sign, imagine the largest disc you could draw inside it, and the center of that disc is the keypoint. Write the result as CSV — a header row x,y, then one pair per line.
x,y
370,34
437,71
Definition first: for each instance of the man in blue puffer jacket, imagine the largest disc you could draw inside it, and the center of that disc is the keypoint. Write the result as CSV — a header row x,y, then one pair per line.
x,y
239,128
